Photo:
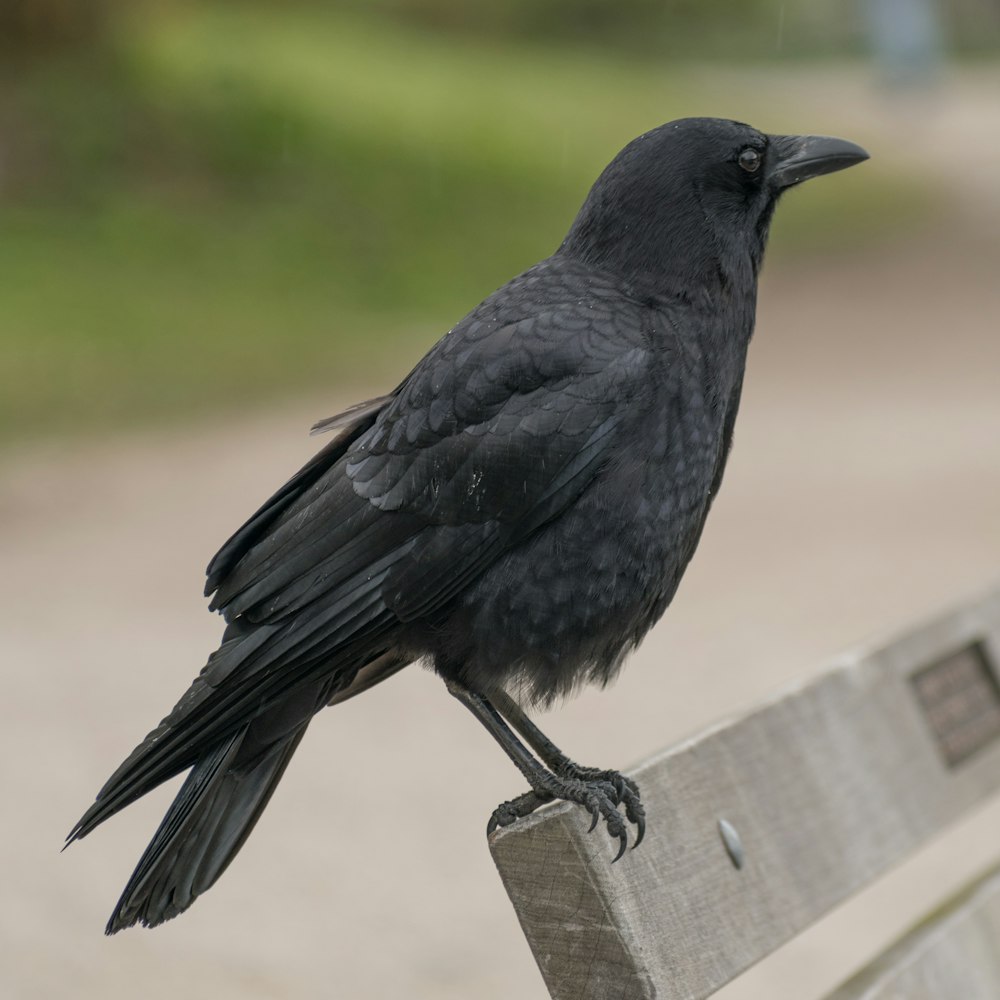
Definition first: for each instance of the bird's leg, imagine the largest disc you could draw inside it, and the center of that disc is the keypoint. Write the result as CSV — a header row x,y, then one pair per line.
x,y
597,797
626,791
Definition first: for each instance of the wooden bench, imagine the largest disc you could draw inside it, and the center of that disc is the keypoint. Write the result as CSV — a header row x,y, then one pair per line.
x,y
760,825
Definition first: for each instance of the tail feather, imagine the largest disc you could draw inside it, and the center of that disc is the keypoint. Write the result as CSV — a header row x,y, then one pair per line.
x,y
204,828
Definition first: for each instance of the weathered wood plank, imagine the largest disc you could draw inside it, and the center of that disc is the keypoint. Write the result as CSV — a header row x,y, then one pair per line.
x,y
828,784
953,953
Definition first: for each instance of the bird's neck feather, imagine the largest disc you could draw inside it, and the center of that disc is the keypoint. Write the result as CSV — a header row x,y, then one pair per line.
x,y
673,248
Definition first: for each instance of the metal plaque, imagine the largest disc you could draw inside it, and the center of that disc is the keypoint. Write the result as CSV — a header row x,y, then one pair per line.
x,y
960,697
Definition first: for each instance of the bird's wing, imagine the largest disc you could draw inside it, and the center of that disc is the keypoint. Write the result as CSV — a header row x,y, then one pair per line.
x,y
493,437
496,430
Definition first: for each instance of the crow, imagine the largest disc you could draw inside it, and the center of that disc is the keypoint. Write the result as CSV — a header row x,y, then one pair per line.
x,y
517,513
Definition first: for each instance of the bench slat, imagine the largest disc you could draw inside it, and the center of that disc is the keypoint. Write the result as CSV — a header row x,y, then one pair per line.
x,y
955,952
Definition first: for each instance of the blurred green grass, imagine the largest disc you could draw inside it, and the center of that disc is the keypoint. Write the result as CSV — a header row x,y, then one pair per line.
x,y
232,204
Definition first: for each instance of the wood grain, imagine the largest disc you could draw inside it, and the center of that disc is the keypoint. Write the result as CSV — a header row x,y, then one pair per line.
x,y
955,952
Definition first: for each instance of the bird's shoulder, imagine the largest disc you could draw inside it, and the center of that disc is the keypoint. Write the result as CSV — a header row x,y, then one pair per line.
x,y
535,375
560,315
559,327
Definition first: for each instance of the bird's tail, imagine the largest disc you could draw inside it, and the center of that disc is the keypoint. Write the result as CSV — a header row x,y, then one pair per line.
x,y
204,828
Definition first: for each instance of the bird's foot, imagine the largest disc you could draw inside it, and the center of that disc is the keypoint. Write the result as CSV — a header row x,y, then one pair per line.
x,y
625,792
599,792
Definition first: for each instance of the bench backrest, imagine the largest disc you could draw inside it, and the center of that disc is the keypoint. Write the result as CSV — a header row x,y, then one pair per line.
x,y
760,825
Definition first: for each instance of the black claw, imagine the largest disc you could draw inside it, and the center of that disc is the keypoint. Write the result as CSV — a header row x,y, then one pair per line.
x,y
640,826
500,817
617,828
635,813
623,837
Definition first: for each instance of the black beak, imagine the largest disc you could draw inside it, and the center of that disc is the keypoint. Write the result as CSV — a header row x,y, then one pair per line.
x,y
796,158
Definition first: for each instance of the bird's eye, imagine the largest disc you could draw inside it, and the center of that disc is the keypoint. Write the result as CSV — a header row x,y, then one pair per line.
x,y
749,160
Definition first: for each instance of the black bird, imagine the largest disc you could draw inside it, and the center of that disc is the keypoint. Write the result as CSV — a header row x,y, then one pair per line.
x,y
518,512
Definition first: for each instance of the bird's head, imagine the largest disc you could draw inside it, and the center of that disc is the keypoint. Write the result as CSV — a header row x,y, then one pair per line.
x,y
691,202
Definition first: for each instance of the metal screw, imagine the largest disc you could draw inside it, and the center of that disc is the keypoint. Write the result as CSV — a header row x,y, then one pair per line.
x,y
732,842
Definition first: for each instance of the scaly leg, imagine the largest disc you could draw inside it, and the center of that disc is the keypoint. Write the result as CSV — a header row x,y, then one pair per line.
x,y
597,796
626,791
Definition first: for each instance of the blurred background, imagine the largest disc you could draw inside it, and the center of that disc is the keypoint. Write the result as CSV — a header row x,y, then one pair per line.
x,y
221,221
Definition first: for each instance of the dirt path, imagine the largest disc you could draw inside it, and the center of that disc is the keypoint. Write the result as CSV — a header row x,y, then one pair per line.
x,y
864,491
